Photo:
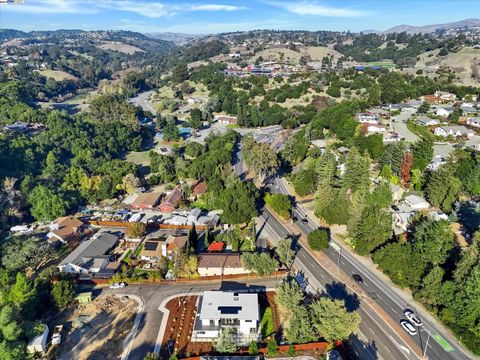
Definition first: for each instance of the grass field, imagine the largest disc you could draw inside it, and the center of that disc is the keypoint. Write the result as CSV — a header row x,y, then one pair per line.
x,y
57,75
139,157
266,325
122,48
385,64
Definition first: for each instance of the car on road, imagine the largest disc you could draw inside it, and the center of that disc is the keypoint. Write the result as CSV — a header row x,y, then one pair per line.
x,y
295,219
118,286
357,278
412,317
408,327
305,220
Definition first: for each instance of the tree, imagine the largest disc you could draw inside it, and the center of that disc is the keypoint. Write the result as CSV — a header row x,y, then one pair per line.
x,y
442,187
62,293
304,181
130,183
357,172
253,348
300,328
195,118
154,356
193,237
318,239
226,343
136,230
424,107
21,292
406,166
180,73
171,131
193,149
280,203
262,264
289,295
259,158
46,205
332,320
272,347
422,153
373,229
393,156
285,252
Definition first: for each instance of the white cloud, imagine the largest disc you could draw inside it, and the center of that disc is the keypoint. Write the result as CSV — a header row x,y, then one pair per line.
x,y
317,9
151,9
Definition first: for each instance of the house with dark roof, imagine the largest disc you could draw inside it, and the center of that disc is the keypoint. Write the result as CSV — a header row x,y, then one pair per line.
x,y
211,264
91,256
172,200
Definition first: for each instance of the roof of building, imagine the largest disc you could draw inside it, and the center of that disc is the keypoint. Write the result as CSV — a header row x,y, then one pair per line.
x,y
173,197
225,304
415,199
220,260
65,226
426,120
147,199
90,249
456,128
176,242
152,248
216,246
199,188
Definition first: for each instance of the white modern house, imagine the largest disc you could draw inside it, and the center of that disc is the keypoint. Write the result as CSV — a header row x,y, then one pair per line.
x,y
426,121
221,310
473,122
456,130
443,112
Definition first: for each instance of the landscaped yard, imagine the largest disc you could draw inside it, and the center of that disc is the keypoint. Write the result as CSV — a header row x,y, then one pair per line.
x,y
267,325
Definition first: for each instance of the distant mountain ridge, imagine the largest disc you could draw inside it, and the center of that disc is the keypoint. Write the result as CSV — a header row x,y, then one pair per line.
x,y
176,38
410,29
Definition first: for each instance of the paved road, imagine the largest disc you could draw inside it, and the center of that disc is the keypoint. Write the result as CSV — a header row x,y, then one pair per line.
x,y
142,101
393,302
154,295
399,125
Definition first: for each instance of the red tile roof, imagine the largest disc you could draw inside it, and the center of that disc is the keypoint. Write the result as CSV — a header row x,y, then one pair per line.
x,y
216,246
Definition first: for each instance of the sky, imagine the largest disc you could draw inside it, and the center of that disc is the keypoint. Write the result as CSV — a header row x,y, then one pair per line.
x,y
206,17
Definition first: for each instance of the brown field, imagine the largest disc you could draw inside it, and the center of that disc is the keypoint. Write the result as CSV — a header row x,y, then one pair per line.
x,y
121,47
57,75
315,52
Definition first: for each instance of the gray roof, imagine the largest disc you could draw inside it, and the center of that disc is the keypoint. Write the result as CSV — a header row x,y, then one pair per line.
x,y
95,247
229,305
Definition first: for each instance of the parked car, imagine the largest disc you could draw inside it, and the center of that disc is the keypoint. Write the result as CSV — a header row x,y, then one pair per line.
x,y
153,219
118,286
357,278
57,335
412,317
305,220
408,327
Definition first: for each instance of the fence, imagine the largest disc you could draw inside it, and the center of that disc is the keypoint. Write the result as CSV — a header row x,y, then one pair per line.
x,y
149,226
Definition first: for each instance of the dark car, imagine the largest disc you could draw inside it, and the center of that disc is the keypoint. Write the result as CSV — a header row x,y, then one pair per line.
x,y
357,278
294,218
305,220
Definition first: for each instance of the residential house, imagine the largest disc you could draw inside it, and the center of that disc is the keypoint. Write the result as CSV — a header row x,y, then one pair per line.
x,y
436,162
374,129
173,243
468,109
417,202
391,136
39,342
455,130
225,119
426,121
432,99
367,118
401,218
473,122
18,127
221,264
147,200
152,250
91,255
443,112
198,189
220,310
64,229
445,96
172,200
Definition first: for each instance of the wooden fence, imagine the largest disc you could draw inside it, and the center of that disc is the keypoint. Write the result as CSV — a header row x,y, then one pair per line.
x,y
122,224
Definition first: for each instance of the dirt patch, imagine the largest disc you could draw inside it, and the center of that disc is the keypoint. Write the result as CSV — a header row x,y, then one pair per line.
x,y
57,75
96,331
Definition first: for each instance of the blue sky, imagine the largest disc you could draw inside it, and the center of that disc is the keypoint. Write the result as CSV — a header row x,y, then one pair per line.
x,y
202,16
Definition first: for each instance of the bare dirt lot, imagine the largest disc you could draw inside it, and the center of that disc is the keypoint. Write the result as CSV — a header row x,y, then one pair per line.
x,y
96,331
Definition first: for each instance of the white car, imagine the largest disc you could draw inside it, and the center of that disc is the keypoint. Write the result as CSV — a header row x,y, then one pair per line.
x,y
412,317
408,327
118,286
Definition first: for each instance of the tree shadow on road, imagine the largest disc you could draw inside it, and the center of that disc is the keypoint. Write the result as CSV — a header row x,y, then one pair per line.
x,y
359,349
337,290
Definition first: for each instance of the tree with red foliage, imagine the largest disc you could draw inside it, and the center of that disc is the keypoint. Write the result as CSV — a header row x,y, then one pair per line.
x,y
406,166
